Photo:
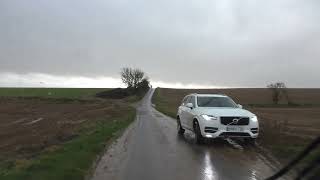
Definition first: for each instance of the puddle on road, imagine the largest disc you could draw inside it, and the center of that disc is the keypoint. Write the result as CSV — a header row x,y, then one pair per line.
x,y
210,173
242,159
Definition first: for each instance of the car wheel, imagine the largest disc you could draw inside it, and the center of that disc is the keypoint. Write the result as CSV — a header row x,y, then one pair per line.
x,y
179,127
197,131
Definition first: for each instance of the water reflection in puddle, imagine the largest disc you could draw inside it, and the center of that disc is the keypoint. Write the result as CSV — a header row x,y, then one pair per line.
x,y
253,175
210,172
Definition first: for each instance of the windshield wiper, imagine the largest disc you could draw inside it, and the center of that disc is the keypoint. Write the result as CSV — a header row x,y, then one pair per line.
x,y
298,159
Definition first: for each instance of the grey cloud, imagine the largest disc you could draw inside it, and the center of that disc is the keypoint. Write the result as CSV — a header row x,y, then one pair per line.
x,y
224,43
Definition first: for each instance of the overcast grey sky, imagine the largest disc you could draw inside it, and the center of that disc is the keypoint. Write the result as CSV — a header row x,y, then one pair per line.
x,y
223,43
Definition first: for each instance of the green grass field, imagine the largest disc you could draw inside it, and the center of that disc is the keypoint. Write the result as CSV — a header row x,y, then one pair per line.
x,y
51,92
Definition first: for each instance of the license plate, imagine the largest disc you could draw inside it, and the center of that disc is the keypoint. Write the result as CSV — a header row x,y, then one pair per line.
x,y
234,128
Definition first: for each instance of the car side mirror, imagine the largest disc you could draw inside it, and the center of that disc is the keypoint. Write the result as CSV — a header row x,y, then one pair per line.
x,y
189,105
240,106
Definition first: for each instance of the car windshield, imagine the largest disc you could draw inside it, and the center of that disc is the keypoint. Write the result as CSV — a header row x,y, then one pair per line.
x,y
206,101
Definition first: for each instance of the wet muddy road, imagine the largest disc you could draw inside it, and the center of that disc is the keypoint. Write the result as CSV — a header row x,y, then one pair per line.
x,y
151,149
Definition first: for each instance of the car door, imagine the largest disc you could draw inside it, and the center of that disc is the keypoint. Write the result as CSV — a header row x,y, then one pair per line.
x,y
189,112
183,109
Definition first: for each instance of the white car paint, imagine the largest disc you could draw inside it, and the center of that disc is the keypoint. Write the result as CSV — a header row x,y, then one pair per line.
x,y
188,115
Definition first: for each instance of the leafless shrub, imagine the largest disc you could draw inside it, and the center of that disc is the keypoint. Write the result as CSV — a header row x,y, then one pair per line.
x,y
279,90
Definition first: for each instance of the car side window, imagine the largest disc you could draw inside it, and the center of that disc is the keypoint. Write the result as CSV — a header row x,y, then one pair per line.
x,y
192,100
185,100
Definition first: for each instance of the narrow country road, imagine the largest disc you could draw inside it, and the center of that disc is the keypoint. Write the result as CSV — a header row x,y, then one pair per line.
x,y
151,149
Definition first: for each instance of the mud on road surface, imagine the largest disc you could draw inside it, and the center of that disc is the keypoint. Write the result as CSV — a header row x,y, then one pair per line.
x,y
151,149
30,125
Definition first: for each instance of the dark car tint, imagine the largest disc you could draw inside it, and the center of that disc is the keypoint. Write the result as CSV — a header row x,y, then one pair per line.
x,y
215,102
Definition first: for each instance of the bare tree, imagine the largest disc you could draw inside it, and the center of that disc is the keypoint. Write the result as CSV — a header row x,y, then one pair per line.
x,y
278,89
132,77
126,77
137,77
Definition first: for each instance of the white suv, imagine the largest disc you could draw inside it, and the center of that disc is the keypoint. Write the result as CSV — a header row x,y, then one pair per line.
x,y
214,115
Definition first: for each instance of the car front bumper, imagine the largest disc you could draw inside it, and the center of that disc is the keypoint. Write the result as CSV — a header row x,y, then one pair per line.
x,y
214,129
226,134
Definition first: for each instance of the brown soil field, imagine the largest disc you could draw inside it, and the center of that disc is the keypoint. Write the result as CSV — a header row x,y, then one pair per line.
x,y
31,125
287,131
247,96
301,122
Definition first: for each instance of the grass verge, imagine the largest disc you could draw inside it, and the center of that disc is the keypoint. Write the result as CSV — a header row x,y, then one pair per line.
x,y
163,104
72,160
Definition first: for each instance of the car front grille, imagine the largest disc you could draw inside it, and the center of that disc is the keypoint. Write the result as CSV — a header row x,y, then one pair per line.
x,y
234,121
234,134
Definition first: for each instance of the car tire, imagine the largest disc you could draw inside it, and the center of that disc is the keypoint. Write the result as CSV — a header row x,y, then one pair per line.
x,y
199,138
179,127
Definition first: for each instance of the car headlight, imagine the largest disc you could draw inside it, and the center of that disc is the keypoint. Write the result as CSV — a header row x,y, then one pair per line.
x,y
209,117
254,119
